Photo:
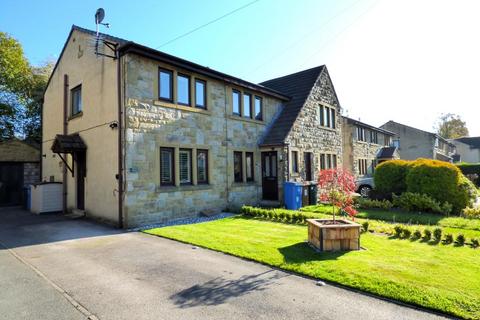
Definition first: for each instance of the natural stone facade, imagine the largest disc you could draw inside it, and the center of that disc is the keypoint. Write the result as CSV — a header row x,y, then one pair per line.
x,y
307,135
355,150
152,124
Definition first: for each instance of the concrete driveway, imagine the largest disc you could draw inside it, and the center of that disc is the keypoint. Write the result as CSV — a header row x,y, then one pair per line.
x,y
55,268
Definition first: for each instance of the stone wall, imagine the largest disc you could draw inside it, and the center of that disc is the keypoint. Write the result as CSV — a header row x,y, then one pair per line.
x,y
307,135
151,124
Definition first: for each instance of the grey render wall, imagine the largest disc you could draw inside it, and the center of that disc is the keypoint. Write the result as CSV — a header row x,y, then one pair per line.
x,y
151,124
414,143
307,135
467,154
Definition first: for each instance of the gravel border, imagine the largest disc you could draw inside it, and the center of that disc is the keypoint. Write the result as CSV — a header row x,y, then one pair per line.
x,y
183,221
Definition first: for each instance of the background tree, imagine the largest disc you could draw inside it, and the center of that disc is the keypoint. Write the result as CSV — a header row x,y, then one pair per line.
x,y
21,91
451,126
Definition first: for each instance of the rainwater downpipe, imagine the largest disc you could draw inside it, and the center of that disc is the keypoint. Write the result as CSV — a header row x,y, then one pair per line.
x,y
120,149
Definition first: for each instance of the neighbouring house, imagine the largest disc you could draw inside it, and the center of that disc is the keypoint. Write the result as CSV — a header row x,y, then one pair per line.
x,y
138,136
468,149
19,168
413,143
364,146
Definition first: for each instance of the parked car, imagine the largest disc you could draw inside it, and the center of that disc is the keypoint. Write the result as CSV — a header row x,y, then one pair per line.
x,y
364,185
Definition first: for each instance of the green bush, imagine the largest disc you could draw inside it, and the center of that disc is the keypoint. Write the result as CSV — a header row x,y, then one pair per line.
x,y
448,239
406,234
475,243
417,234
427,234
420,202
437,234
469,168
441,181
390,176
398,230
471,213
365,226
364,203
460,240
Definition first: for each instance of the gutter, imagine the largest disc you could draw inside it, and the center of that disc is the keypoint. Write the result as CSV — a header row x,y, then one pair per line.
x,y
120,149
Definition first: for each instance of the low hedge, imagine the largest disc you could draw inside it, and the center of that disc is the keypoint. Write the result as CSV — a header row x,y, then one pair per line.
x,y
415,202
469,168
280,215
442,181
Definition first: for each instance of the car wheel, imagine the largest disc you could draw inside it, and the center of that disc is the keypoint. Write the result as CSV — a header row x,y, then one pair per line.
x,y
365,191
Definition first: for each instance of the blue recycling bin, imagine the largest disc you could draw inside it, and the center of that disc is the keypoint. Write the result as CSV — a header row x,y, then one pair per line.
x,y
292,192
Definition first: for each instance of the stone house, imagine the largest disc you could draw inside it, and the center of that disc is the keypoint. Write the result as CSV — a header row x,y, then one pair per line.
x,y
365,146
413,143
468,149
138,136
19,168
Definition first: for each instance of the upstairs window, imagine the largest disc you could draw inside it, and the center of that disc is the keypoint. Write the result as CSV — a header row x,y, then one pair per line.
x,y
258,108
327,117
247,105
183,89
165,85
185,166
373,137
361,134
202,166
166,166
76,94
237,166
200,94
236,102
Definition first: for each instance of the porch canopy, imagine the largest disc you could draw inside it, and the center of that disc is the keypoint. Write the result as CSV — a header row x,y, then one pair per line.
x,y
64,144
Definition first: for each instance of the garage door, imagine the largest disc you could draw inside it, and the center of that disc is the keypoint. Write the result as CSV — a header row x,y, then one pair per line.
x,y
11,183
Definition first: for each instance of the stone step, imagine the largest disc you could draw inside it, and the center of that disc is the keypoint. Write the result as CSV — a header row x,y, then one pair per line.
x,y
76,214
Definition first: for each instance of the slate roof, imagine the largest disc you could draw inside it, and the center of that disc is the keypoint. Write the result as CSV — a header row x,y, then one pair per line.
x,y
366,125
298,86
386,153
473,142
68,143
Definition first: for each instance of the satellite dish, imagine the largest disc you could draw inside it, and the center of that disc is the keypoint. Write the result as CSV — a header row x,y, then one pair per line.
x,y
99,15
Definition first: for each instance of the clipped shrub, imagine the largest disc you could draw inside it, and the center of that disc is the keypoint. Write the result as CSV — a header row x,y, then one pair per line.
x,y
448,239
398,230
474,243
288,217
437,234
427,234
406,233
420,202
460,240
471,213
365,225
364,203
417,234
390,176
441,181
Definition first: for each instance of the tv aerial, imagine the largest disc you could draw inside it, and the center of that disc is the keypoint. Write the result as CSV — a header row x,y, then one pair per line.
x,y
101,39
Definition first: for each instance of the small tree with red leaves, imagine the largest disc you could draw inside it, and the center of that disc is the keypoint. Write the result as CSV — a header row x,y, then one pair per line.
x,y
337,187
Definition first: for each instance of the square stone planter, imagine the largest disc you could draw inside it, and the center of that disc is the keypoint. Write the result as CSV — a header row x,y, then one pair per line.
x,y
323,235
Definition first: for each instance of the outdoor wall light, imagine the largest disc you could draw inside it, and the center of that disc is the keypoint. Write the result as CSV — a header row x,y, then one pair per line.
x,y
113,125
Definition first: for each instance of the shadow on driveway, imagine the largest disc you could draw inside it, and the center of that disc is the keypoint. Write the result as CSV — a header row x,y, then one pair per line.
x,y
19,228
219,290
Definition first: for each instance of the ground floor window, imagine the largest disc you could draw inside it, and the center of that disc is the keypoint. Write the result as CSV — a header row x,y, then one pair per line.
x,y
295,161
185,166
202,166
249,163
238,166
167,166
328,161
362,166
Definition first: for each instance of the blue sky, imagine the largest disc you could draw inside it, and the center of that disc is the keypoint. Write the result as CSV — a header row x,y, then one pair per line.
x,y
403,60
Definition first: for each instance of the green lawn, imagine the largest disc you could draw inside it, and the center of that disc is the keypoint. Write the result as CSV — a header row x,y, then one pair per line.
x,y
445,278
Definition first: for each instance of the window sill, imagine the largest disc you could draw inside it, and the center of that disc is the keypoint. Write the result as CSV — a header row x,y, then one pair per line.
x,y
328,129
167,104
181,188
235,117
244,184
76,115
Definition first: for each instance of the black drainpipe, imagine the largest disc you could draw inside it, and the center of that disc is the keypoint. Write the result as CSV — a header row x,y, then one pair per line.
x,y
65,131
120,149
